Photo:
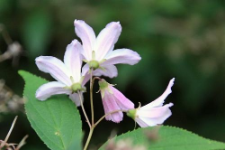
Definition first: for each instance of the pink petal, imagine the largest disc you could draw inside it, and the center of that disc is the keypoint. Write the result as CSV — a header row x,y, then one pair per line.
x,y
155,116
87,35
123,102
106,39
148,122
85,69
160,100
72,59
110,105
76,99
85,74
122,56
105,70
51,88
108,71
55,67
154,112
141,122
86,78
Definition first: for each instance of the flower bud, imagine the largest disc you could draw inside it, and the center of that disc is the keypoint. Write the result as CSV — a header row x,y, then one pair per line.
x,y
113,100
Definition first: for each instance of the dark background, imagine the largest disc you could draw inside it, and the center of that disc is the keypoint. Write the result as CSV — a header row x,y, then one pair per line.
x,y
175,38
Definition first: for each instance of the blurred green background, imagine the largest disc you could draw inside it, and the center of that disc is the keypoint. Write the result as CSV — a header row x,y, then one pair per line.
x,y
184,39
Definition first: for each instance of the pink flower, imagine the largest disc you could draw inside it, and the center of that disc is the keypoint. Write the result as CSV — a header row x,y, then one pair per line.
x,y
113,100
153,113
98,51
68,74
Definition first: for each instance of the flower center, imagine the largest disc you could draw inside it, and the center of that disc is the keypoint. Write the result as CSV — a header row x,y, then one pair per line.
x,y
93,64
76,87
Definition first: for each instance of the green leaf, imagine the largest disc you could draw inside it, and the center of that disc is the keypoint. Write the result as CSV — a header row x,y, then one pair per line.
x,y
56,120
166,138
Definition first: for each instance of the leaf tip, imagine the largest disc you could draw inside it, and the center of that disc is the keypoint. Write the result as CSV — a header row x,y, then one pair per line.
x,y
22,72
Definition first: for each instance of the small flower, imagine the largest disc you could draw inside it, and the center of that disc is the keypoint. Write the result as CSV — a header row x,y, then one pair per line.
x,y
98,51
113,100
153,113
68,74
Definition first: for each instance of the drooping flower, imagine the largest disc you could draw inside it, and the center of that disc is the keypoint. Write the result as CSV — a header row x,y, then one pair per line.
x,y
67,73
155,112
113,100
98,51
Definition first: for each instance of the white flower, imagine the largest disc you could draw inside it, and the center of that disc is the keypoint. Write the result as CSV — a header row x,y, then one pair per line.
x,y
98,51
68,74
153,113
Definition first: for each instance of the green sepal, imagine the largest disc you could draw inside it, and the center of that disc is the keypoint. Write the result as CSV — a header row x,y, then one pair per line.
x,y
103,84
132,113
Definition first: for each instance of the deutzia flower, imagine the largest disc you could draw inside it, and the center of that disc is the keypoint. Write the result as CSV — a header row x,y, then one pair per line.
x,y
113,100
68,74
153,113
98,51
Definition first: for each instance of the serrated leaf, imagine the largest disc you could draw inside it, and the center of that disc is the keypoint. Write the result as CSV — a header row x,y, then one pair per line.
x,y
166,138
56,120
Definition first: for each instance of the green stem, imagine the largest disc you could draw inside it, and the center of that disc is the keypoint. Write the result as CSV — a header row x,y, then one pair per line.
x,y
89,137
91,97
85,114
93,127
93,124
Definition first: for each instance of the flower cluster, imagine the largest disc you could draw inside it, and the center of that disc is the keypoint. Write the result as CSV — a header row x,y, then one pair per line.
x,y
100,58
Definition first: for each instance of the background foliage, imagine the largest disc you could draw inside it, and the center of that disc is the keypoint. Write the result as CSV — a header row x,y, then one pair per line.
x,y
177,38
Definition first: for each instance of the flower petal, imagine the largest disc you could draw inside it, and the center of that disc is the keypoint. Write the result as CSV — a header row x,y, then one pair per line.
x,y
106,39
141,122
155,116
75,98
85,74
85,69
122,56
148,122
86,78
154,112
123,102
72,59
51,88
87,35
110,105
160,100
107,70
55,67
